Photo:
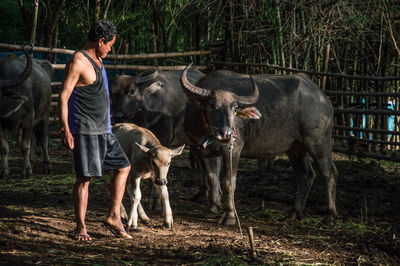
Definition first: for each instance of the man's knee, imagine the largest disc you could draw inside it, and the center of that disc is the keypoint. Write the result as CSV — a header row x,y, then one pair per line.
x,y
124,170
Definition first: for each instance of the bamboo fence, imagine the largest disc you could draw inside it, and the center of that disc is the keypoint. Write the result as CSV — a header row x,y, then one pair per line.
x,y
362,114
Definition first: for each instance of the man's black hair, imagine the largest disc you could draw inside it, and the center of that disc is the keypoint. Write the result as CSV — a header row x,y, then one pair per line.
x,y
102,29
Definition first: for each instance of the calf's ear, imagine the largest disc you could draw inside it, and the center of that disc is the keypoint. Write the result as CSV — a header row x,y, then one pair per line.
x,y
249,113
177,151
142,148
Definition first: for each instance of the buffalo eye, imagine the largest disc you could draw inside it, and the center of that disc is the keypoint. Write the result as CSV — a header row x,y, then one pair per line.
x,y
213,104
235,107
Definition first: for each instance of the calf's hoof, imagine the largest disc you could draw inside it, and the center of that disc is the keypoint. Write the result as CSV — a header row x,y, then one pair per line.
x,y
145,220
167,225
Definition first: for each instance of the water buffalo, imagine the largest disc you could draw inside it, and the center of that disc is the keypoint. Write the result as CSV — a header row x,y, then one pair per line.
x,y
154,100
118,85
289,114
25,96
149,159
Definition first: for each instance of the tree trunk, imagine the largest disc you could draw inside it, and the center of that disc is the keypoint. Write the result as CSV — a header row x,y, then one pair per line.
x,y
97,8
34,21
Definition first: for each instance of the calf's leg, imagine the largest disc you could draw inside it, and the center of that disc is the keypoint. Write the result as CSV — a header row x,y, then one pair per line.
x,y
167,212
135,195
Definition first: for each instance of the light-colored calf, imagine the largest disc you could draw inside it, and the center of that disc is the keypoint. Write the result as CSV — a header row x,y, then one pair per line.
x,y
149,159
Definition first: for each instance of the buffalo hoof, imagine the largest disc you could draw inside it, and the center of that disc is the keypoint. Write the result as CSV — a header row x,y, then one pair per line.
x,y
201,196
26,175
329,220
47,168
227,220
213,209
293,216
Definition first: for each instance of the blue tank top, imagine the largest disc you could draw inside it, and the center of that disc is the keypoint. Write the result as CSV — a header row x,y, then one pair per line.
x,y
89,106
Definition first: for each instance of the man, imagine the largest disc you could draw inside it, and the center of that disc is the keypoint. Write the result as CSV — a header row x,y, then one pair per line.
x,y
84,112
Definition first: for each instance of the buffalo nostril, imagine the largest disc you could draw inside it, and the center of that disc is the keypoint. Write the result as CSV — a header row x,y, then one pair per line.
x,y
226,132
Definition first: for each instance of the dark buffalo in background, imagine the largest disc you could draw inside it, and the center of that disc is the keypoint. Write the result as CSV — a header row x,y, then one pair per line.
x,y
118,85
25,97
153,100
288,114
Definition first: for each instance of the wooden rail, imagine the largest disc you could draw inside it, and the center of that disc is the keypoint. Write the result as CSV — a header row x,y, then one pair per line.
x,y
316,73
111,56
136,67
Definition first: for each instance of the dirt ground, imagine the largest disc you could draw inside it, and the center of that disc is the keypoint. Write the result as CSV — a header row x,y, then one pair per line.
x,y
36,219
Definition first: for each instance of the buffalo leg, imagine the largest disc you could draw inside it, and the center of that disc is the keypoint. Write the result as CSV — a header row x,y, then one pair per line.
x,y
229,182
167,212
211,168
322,156
25,150
305,178
42,134
4,151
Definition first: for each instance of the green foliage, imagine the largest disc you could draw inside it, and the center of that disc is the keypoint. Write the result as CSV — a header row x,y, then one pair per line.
x,y
12,28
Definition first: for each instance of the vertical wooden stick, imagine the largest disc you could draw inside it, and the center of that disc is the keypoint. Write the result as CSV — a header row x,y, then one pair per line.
x,y
253,252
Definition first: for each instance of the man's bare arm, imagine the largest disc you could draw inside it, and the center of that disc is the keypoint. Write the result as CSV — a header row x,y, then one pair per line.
x,y
72,74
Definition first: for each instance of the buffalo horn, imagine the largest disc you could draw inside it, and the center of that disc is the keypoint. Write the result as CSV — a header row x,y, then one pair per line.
x,y
192,90
251,99
13,82
146,77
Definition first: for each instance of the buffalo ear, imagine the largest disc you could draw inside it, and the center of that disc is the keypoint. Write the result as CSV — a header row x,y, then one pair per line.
x,y
154,87
177,151
249,113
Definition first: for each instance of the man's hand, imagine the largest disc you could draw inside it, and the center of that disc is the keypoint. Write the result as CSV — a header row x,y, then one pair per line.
x,y
67,139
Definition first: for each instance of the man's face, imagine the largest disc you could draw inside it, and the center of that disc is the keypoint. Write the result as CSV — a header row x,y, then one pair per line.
x,y
105,48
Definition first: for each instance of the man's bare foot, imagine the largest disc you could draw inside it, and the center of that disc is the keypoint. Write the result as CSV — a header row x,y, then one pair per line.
x,y
81,237
80,234
118,231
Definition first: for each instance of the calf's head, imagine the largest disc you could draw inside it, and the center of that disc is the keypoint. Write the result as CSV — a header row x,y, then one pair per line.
x,y
160,159
221,107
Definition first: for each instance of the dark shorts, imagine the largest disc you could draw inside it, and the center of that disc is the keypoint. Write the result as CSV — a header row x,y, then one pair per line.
x,y
96,154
